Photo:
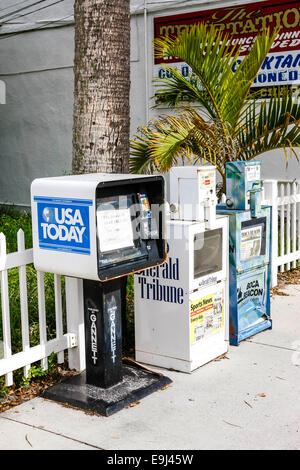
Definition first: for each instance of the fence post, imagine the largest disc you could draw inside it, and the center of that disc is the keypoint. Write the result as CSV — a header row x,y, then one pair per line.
x,y
42,314
75,321
23,301
294,222
5,309
271,198
58,314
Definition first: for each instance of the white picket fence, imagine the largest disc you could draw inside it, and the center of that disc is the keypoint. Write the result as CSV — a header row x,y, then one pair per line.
x,y
284,197
10,362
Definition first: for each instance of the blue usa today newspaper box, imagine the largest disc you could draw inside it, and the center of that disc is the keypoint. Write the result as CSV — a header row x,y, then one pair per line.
x,y
101,227
98,226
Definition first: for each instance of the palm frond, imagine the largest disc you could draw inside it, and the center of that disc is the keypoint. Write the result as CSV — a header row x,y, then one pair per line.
x,y
156,146
208,52
238,90
176,90
211,57
269,124
184,136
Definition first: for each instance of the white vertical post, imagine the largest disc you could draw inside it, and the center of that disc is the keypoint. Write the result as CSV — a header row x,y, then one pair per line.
x,y
282,228
288,224
5,310
42,315
75,321
298,217
274,234
271,198
294,221
58,314
23,301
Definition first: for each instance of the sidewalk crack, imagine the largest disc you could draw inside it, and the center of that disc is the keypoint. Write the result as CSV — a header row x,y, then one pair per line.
x,y
41,428
272,345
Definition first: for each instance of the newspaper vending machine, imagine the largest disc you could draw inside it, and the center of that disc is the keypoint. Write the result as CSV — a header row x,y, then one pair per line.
x,y
181,306
249,250
100,227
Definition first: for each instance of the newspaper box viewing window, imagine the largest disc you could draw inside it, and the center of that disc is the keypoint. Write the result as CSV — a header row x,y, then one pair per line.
x,y
129,228
207,252
253,238
124,228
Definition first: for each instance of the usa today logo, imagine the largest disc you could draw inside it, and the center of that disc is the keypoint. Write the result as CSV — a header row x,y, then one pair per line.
x,y
64,224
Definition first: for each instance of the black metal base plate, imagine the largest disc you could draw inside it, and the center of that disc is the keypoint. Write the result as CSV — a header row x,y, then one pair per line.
x,y
137,383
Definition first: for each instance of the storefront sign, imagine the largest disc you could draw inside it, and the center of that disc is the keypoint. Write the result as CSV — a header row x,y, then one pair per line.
x,y
243,23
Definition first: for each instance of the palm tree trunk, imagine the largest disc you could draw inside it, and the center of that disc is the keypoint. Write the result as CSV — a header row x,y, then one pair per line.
x,y
102,84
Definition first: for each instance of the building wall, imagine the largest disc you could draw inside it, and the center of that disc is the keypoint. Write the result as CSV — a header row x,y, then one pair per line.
x,y
36,121
37,68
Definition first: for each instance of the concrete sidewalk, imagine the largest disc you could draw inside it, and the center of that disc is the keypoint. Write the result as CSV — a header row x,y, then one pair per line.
x,y
248,401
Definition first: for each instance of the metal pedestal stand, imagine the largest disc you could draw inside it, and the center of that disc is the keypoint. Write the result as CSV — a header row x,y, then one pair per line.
x,y
108,384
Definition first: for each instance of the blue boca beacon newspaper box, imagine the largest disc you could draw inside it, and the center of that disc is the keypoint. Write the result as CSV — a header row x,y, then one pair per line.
x,y
249,251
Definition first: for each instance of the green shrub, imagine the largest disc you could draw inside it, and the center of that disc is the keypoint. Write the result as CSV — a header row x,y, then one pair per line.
x,y
128,335
10,223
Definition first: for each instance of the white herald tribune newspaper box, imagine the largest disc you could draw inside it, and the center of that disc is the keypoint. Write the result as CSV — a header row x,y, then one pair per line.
x,y
181,307
193,193
98,226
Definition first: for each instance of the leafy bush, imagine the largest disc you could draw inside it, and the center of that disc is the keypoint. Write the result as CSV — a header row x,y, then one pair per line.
x,y
10,223
128,335
33,311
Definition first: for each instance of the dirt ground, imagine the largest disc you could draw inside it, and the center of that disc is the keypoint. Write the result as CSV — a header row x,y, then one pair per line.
x,y
289,277
16,396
